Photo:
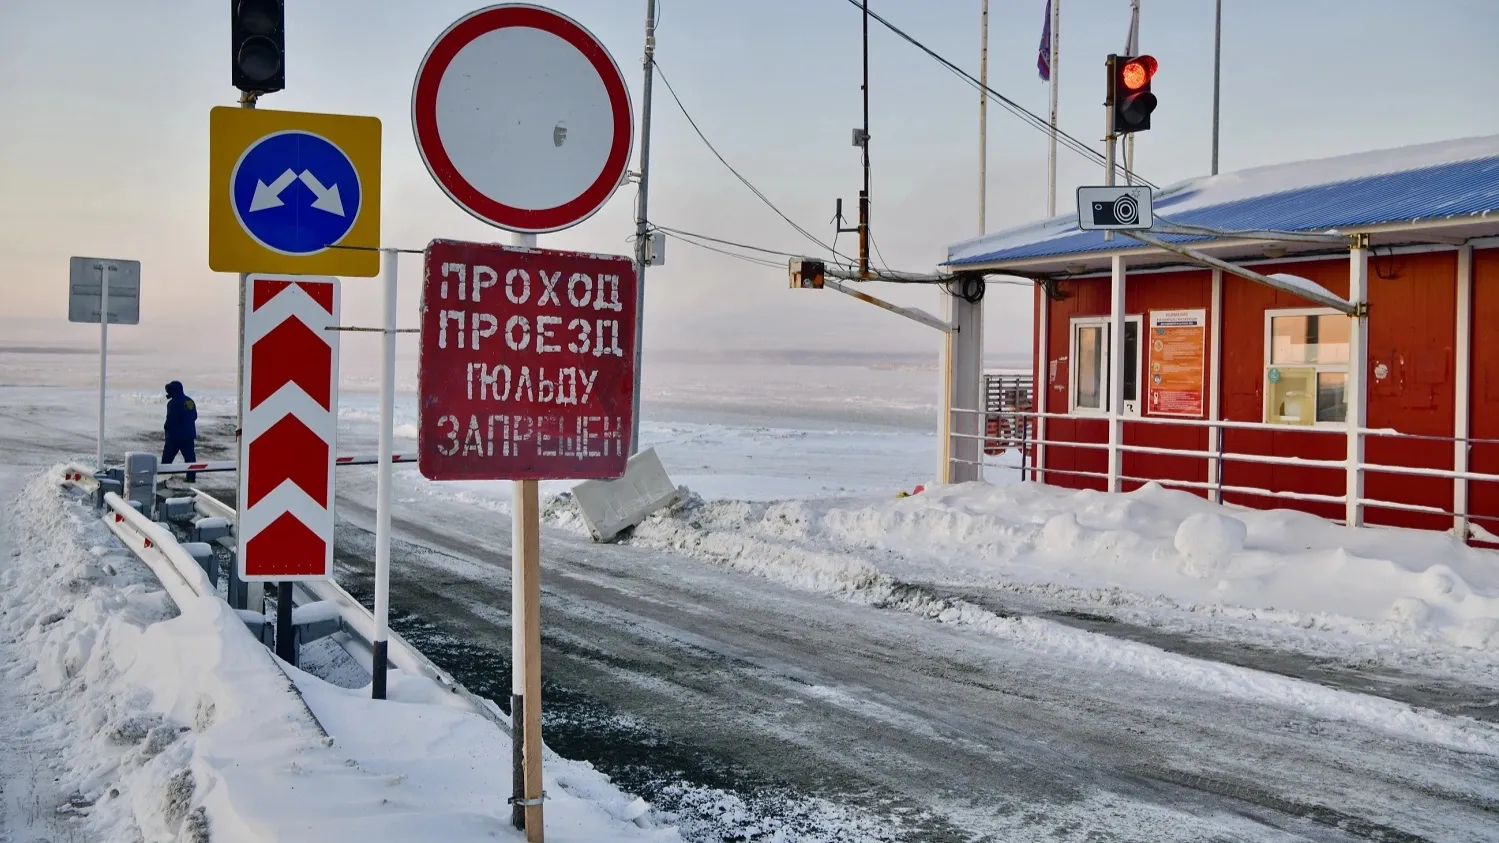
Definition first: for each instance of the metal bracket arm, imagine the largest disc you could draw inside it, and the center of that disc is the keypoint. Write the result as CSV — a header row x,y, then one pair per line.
x,y
1322,298
912,313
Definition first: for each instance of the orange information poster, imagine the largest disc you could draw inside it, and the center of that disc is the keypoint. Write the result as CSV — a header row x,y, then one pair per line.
x,y
1178,355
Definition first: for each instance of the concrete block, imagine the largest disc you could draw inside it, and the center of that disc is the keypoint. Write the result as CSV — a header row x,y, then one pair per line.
x,y
177,509
211,529
611,506
260,626
316,620
202,553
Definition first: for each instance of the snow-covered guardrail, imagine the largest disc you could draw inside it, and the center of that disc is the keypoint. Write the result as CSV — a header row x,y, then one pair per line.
x,y
359,624
80,476
158,548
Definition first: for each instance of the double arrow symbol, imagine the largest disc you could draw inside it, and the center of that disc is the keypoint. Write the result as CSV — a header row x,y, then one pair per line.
x,y
269,195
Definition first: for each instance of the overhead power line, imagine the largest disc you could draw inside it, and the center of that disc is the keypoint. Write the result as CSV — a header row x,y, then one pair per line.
x,y
746,182
1025,115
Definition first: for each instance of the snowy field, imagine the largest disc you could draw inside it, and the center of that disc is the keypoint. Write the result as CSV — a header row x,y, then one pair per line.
x,y
1378,649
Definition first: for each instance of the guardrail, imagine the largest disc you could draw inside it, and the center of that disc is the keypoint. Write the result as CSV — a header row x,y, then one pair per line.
x,y
185,582
80,477
1016,427
358,623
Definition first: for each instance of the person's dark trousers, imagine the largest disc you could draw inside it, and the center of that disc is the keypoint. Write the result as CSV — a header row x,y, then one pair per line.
x,y
184,447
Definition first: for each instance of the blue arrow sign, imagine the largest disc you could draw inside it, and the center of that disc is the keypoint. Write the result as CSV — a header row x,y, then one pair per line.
x,y
295,193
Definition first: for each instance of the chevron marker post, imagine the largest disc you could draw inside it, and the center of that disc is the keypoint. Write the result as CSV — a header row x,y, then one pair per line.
x,y
288,449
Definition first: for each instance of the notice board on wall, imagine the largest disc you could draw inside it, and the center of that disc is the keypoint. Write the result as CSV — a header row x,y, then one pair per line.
x,y
1178,363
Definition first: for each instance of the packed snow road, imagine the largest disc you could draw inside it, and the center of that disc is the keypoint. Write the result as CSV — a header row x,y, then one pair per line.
x,y
760,712
756,711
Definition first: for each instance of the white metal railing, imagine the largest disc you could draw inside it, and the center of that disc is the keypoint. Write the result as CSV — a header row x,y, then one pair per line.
x,y
1015,432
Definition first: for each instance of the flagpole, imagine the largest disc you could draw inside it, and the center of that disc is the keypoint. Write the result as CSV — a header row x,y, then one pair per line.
x,y
983,116
1055,65
1217,68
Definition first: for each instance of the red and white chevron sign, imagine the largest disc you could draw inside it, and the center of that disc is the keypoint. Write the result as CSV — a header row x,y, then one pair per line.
x,y
288,448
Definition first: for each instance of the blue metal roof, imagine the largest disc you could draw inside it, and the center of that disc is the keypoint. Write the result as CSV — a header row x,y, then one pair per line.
x,y
1457,189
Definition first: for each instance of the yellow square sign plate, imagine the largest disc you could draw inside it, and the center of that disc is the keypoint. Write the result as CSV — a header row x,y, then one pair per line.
x,y
287,189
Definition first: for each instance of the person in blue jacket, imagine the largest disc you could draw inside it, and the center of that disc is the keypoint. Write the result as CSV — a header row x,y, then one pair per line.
x,y
181,427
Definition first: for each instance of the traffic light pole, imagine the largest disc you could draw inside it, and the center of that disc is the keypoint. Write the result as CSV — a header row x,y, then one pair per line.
x,y
239,592
1109,138
1116,308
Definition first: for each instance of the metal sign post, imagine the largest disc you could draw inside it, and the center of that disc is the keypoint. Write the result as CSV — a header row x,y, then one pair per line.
x,y
525,374
103,356
91,281
527,367
380,645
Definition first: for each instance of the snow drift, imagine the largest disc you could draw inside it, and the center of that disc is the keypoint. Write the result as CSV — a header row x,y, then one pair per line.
x,y
179,725
927,554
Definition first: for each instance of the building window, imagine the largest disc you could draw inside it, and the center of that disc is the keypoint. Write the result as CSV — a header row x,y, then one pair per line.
x,y
1306,366
1090,344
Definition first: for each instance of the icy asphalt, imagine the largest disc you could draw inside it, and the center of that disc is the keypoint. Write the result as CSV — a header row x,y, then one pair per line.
x,y
757,712
660,668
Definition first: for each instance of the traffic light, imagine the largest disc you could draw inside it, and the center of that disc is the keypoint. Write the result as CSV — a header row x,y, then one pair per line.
x,y
1129,92
258,32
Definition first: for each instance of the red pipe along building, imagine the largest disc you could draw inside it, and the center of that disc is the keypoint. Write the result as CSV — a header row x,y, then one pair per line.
x,y
1272,395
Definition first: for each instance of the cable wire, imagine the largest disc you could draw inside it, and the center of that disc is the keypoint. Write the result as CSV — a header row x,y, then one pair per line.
x,y
746,258
746,182
679,232
1015,108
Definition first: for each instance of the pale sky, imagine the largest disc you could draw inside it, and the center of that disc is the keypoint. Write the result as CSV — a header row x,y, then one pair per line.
x,y
105,136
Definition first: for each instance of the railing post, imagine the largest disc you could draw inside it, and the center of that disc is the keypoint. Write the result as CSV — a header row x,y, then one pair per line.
x,y
1041,380
1358,380
1115,374
1463,371
1215,392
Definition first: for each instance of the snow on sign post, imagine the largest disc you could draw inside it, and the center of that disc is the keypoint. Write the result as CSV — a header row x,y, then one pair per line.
x,y
527,364
527,361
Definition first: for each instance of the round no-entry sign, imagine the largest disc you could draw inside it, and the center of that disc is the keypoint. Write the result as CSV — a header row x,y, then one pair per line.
x,y
523,118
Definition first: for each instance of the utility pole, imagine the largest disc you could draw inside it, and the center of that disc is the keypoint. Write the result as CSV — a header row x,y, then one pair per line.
x,y
1055,61
864,144
642,226
1217,70
983,116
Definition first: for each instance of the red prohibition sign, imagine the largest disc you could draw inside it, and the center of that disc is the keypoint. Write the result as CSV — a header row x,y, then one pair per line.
x,y
499,97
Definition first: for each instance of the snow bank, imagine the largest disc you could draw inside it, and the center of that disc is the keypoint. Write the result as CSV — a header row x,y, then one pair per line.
x,y
898,554
1399,584
180,725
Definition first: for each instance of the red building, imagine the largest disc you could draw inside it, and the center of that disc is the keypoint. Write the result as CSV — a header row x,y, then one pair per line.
x,y
1359,381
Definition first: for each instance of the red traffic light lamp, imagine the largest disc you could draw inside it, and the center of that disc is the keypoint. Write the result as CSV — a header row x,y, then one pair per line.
x,y
1129,92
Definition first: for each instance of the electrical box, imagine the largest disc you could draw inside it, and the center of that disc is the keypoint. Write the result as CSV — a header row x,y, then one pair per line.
x,y
140,480
860,137
807,274
655,254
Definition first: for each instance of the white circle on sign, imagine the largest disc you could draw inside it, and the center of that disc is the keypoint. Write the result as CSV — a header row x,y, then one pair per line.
x,y
554,121
509,100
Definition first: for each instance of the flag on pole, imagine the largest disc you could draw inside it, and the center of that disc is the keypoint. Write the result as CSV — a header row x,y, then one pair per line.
x,y
1043,58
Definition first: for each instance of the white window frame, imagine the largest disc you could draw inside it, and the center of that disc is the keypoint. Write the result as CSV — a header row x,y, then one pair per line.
x,y
1132,408
1318,368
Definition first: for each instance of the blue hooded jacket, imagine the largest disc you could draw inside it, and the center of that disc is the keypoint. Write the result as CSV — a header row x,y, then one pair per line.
x,y
182,414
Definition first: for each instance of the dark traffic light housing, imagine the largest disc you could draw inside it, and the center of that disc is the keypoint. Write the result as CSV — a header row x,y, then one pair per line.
x,y
1130,98
258,32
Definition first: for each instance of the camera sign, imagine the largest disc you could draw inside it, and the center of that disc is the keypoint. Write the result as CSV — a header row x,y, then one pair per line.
x,y
1114,208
